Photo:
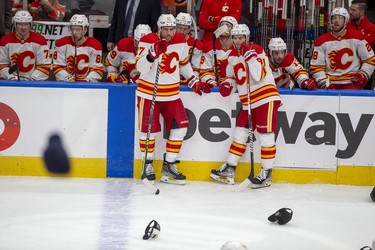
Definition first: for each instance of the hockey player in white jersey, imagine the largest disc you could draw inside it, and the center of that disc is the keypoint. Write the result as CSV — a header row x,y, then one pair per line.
x,y
215,53
120,62
78,58
25,50
264,103
342,59
162,57
286,69
184,23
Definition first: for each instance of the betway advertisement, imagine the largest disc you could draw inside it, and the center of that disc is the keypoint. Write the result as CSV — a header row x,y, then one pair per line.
x,y
314,131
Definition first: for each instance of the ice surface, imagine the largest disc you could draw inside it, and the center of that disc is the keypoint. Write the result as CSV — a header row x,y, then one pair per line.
x,y
63,213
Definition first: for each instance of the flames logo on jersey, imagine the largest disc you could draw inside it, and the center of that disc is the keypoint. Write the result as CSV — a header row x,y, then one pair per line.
x,y
336,58
239,73
14,58
82,67
25,60
70,64
167,62
222,67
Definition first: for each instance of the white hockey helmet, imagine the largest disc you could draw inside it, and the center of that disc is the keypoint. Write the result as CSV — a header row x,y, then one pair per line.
x,y
276,44
233,245
141,30
166,20
183,19
22,16
240,29
340,11
79,20
229,19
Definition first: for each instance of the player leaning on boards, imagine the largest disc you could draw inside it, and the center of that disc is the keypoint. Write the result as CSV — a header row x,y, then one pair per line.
x,y
162,57
265,101
78,58
286,69
342,59
120,62
25,51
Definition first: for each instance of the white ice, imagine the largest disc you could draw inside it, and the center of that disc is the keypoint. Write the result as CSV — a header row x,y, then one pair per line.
x,y
73,213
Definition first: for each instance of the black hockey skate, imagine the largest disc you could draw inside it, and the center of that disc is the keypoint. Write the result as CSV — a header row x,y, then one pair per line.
x,y
170,174
148,172
263,179
225,174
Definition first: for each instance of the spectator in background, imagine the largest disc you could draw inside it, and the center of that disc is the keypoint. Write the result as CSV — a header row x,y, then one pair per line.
x,y
5,17
174,6
359,21
47,10
342,59
213,10
120,62
27,51
84,8
124,20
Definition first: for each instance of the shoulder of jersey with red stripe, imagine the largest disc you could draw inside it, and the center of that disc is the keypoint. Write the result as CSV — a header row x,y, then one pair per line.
x,y
326,37
288,60
257,48
66,40
177,39
92,42
126,44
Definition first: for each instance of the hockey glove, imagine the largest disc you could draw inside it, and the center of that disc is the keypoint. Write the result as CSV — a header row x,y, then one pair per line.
x,y
122,79
200,87
27,78
325,84
225,89
13,77
247,51
359,79
69,78
309,84
158,48
212,83
112,78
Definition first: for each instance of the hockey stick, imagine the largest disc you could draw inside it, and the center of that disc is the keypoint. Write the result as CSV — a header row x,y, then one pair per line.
x,y
144,179
218,32
195,38
13,69
244,184
75,57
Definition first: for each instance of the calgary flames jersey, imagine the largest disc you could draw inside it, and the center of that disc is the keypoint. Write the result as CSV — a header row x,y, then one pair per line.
x,y
82,63
208,70
262,84
194,55
174,62
121,58
31,55
337,57
288,71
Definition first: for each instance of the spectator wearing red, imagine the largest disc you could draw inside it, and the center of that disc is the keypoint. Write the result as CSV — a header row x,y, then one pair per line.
x,y
213,10
360,22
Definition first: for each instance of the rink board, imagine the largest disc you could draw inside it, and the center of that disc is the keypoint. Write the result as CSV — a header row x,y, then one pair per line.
x,y
323,136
